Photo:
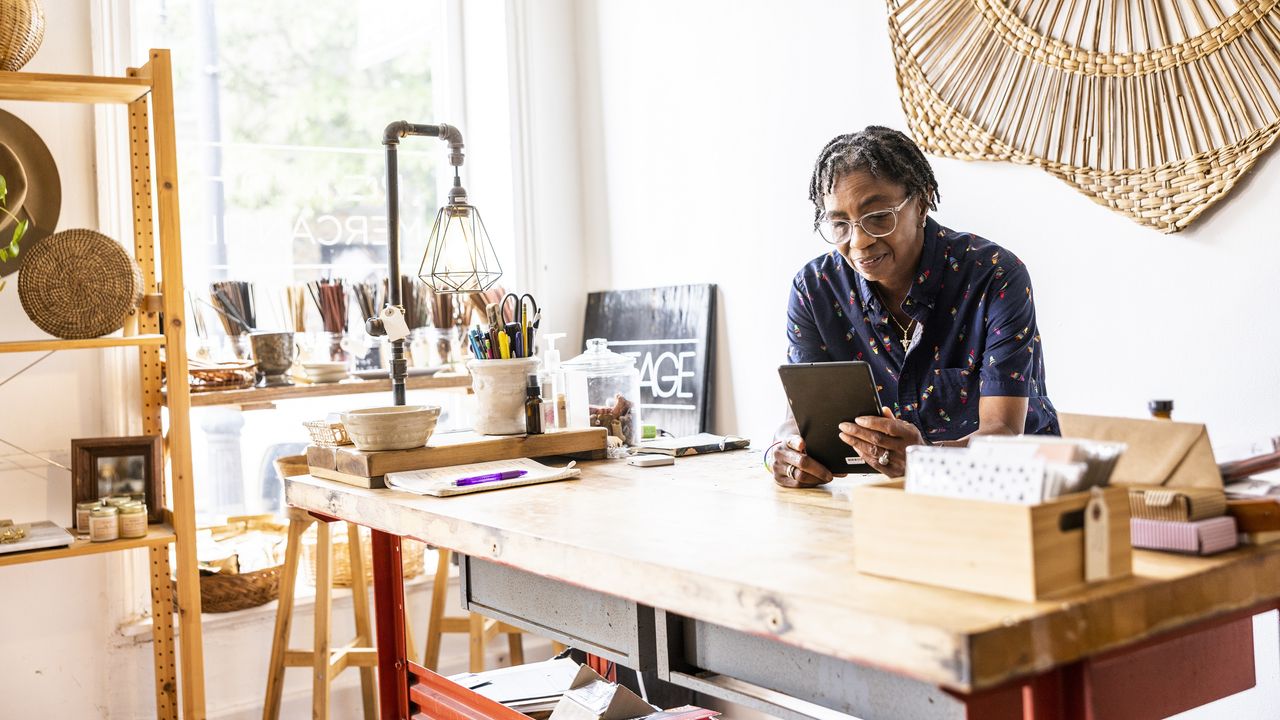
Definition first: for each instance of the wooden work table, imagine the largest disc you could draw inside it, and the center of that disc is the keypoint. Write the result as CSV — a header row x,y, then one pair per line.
x,y
713,539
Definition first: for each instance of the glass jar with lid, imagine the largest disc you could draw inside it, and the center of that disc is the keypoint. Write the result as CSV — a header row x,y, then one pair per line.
x,y
82,515
104,523
602,389
133,520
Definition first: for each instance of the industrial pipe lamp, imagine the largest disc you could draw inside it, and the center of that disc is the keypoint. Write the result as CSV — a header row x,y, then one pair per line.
x,y
459,256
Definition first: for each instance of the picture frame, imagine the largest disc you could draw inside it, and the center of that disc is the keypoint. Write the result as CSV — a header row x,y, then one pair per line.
x,y
106,466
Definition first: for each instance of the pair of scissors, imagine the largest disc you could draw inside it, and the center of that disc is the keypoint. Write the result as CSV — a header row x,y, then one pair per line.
x,y
524,317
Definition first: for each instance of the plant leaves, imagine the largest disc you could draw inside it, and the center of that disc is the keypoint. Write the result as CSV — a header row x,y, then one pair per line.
x,y
4,189
18,232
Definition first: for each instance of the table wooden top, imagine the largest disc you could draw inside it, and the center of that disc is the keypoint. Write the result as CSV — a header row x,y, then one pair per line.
x,y
714,539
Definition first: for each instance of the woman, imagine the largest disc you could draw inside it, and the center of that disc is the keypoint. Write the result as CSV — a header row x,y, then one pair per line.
x,y
945,318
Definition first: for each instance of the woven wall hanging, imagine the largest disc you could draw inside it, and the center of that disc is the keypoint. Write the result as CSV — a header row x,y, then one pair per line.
x,y
1154,108
79,284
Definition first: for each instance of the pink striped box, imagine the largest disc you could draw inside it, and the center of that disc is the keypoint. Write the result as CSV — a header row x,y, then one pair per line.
x,y
1202,537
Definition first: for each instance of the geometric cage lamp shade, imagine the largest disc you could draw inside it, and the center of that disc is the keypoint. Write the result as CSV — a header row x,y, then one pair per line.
x,y
459,256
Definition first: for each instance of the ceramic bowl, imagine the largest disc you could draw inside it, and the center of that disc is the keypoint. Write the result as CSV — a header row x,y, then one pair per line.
x,y
391,428
325,371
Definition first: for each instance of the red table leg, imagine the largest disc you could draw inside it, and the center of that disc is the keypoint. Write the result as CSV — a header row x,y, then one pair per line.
x,y
388,609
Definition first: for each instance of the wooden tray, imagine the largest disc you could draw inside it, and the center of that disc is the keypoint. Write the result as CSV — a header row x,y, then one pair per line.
x,y
366,469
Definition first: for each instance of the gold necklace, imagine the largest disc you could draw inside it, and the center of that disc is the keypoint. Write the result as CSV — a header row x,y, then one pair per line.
x,y
906,331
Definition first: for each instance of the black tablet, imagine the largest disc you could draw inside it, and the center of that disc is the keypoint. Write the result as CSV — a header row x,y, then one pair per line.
x,y
823,395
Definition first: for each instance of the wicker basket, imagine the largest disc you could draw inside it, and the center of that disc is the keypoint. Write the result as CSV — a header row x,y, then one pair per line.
x,y
21,32
223,592
291,465
324,432
411,555
227,593
232,375
79,284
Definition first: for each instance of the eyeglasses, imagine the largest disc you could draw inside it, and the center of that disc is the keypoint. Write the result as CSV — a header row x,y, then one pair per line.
x,y
875,224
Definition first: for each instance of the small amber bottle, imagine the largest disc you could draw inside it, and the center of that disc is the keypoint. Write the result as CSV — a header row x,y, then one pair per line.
x,y
1161,409
533,407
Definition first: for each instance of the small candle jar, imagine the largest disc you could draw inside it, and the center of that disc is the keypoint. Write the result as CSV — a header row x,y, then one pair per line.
x,y
133,520
104,524
118,500
82,515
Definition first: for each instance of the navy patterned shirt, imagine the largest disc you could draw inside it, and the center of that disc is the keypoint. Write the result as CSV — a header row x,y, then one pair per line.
x,y
975,334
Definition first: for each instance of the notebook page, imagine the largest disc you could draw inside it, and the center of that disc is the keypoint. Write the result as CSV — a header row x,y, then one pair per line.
x,y
439,481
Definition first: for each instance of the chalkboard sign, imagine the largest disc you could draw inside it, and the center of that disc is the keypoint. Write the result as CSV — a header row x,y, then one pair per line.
x,y
670,331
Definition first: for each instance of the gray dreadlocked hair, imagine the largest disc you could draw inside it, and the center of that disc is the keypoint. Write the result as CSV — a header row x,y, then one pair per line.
x,y
885,153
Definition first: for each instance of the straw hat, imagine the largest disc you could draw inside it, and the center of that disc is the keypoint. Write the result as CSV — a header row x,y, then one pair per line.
x,y
35,191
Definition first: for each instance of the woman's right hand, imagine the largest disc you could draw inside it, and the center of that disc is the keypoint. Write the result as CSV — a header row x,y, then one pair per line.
x,y
793,468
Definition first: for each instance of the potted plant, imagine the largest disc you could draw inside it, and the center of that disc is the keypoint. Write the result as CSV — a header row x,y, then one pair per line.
x,y
10,251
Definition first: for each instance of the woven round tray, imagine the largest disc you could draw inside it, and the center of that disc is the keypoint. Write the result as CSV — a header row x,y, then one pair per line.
x,y
79,284
21,32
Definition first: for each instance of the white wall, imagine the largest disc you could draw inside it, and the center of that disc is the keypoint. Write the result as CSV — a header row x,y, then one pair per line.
x,y
701,123
53,616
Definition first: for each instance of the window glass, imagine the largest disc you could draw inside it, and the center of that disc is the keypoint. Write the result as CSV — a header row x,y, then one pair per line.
x,y
280,107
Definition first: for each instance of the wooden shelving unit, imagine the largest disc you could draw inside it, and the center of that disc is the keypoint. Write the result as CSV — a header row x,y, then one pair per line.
x,y
258,396
72,88
148,93
16,346
157,536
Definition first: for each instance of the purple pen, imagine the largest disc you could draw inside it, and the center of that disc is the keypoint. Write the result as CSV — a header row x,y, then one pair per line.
x,y
491,477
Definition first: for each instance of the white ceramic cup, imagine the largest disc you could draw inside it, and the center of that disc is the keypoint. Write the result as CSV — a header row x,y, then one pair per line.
x,y
499,386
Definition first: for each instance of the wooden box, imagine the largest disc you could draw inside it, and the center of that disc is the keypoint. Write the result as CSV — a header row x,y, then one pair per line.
x,y
1022,552
367,468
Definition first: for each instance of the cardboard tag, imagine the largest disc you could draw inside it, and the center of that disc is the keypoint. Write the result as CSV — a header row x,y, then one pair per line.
x,y
393,322
1097,548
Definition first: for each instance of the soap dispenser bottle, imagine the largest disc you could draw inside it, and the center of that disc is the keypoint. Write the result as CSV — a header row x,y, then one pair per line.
x,y
551,379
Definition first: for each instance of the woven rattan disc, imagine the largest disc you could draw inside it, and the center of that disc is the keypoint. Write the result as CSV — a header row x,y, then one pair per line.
x,y
1153,108
21,32
79,284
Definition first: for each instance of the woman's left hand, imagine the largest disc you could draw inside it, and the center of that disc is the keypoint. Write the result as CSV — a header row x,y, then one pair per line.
x,y
872,437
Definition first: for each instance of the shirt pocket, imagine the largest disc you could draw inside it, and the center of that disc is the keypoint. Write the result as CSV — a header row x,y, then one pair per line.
x,y
949,403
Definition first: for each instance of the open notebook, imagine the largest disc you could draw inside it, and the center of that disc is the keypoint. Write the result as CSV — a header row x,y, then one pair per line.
x,y
440,481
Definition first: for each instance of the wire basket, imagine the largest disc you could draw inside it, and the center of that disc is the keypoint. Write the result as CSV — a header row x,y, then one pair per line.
x,y
324,432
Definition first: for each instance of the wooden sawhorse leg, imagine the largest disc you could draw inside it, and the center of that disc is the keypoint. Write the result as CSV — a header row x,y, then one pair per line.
x,y
323,659
299,520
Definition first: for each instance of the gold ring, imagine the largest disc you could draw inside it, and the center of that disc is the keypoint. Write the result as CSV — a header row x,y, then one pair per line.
x,y
884,458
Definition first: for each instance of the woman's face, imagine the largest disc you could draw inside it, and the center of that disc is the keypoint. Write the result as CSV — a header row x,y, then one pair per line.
x,y
891,259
